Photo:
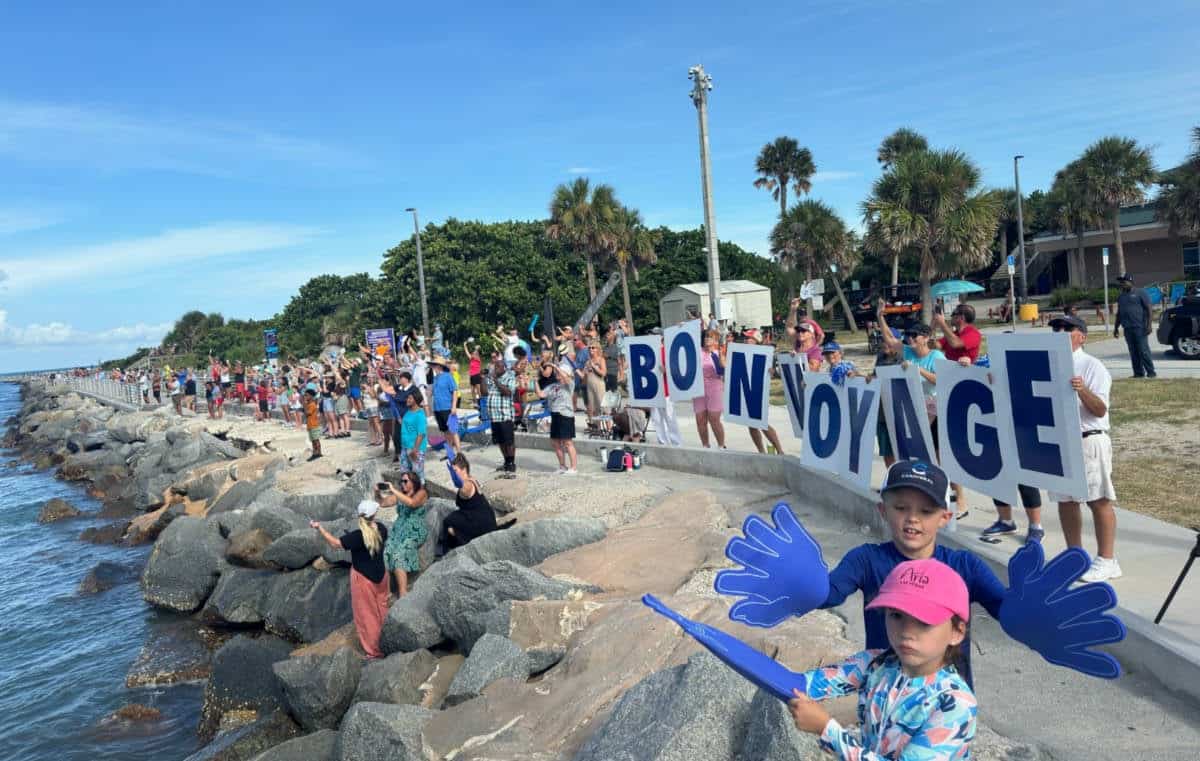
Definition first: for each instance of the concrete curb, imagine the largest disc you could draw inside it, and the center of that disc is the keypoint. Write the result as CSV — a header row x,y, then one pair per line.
x,y
1146,647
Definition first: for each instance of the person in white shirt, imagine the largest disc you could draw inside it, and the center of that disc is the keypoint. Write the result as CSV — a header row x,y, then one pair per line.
x,y
1092,383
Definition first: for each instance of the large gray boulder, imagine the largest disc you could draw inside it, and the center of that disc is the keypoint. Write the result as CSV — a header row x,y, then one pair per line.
x,y
205,487
185,454
308,605
318,746
238,496
55,509
183,566
376,731
240,597
530,543
493,658
299,547
410,624
695,710
470,600
242,679
339,504
246,548
276,520
88,442
436,510
771,734
396,678
317,689
220,447
250,740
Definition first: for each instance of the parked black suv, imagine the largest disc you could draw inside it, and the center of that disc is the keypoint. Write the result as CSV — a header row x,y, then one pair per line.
x,y
1179,326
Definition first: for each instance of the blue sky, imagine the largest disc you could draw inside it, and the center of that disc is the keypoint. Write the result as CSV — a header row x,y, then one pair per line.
x,y
172,156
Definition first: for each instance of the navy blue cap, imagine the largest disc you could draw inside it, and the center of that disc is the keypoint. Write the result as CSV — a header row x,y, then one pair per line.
x,y
922,476
831,346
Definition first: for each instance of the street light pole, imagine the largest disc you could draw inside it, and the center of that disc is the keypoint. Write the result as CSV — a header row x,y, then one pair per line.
x,y
1020,229
420,275
701,85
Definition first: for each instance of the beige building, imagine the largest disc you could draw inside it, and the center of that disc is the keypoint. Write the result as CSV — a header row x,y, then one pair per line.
x,y
1152,254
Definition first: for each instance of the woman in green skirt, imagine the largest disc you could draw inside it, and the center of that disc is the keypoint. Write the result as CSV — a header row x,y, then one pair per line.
x,y
408,532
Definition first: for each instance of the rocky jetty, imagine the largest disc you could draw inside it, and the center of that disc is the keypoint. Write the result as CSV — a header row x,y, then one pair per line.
x,y
529,643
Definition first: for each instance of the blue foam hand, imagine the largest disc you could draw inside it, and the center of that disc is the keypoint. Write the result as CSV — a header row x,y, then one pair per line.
x,y
1062,624
458,484
762,671
782,574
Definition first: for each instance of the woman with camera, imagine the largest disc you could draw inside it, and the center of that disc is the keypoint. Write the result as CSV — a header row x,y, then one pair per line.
x,y
401,553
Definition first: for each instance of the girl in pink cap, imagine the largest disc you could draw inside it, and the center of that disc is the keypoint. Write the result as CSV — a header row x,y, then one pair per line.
x,y
912,702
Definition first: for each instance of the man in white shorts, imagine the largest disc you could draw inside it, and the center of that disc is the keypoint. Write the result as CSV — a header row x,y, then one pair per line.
x,y
1092,383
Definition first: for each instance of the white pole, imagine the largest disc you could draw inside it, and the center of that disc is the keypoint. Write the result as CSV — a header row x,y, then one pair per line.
x,y
702,84
1104,261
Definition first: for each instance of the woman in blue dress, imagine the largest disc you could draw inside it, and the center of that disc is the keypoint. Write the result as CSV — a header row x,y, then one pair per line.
x,y
401,553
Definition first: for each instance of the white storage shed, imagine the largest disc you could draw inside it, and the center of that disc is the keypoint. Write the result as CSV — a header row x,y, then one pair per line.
x,y
743,303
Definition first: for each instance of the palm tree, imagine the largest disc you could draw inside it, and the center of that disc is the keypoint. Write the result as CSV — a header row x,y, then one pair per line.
x,y
634,244
1074,210
895,145
931,200
1179,202
899,142
782,163
585,218
811,233
1118,170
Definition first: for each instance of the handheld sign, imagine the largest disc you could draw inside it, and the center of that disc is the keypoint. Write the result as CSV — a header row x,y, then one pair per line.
x,y
791,369
748,384
861,405
825,445
645,377
969,432
683,345
1040,434
904,410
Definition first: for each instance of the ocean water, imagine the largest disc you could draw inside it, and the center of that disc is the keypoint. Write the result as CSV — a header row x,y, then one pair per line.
x,y
63,656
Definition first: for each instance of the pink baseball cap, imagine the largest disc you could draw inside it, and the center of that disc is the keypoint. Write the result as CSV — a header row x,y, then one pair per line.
x,y
928,590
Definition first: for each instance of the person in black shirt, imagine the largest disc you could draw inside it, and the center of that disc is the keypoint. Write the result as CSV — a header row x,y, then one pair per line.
x,y
369,588
474,516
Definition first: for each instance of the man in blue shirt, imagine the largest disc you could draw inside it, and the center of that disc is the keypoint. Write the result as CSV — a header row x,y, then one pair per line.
x,y
445,400
913,504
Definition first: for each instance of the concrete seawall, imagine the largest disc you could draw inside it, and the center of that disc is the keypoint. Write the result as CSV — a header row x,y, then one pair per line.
x,y
1171,659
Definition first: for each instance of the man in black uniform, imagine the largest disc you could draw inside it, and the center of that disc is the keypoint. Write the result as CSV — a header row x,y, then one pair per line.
x,y
1133,314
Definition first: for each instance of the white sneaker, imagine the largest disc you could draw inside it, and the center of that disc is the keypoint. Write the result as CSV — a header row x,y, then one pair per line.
x,y
570,472
1103,569
560,471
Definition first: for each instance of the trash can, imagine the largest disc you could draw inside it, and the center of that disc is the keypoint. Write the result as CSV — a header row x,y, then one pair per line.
x,y
1028,312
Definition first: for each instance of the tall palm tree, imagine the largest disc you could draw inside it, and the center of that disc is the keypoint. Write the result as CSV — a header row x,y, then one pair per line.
x,y
1179,202
931,201
585,218
811,234
1074,211
781,163
1118,171
634,245
902,141
899,142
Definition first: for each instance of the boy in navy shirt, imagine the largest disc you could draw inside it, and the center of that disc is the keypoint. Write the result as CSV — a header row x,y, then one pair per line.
x,y
913,504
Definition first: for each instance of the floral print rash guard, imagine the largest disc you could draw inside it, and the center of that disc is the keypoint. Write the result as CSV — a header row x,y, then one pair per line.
x,y
902,718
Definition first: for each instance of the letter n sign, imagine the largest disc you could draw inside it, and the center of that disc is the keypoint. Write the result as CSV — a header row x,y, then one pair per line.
x,y
748,384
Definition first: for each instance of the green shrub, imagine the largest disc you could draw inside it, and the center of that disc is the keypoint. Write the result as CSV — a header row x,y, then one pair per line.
x,y
1071,295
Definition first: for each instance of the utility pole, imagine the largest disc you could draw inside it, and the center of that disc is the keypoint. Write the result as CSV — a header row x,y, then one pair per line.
x,y
1020,230
421,275
701,85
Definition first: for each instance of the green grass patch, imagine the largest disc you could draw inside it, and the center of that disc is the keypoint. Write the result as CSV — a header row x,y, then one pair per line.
x,y
1143,400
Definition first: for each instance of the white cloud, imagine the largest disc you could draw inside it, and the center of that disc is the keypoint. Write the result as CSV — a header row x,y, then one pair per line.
x,y
106,139
64,334
581,170
834,176
166,250
20,220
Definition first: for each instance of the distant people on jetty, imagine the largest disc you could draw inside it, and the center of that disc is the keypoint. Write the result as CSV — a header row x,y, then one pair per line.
x,y
370,591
